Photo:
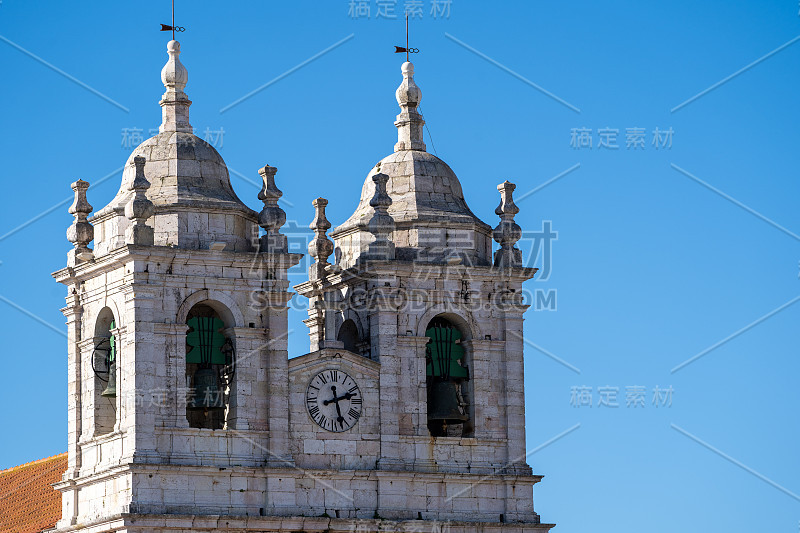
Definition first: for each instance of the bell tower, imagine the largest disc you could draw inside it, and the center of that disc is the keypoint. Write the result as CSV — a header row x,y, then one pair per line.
x,y
415,304
185,411
177,334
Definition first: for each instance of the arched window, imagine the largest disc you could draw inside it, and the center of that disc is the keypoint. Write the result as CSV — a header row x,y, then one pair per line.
x,y
105,355
209,368
446,373
348,334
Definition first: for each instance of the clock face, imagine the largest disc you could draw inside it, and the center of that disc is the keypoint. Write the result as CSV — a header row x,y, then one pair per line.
x,y
333,400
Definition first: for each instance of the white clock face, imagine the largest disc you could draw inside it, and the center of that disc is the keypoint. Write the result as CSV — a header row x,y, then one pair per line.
x,y
333,400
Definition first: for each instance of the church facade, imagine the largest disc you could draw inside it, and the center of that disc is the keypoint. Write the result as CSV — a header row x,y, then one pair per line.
x,y
186,412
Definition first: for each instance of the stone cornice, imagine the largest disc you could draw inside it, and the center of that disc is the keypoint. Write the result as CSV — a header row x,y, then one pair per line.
x,y
165,254
280,524
327,356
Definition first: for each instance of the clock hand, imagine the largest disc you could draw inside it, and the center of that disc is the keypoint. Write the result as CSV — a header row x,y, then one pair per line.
x,y
332,400
335,400
347,396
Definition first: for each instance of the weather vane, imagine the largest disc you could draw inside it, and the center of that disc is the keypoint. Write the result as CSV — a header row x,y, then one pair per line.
x,y
173,28
407,50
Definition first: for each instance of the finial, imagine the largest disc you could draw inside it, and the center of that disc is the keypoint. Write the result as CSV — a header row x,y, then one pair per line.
x,y
139,208
321,247
174,103
381,225
409,122
507,232
272,217
81,232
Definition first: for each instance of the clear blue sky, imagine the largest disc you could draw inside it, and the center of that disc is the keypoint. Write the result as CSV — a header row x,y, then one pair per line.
x,y
651,267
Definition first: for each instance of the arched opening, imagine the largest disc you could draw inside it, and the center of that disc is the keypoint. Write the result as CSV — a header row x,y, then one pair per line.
x,y
210,364
105,359
447,376
348,334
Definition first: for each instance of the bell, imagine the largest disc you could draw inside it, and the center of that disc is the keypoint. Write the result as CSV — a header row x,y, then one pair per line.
x,y
206,391
111,389
443,403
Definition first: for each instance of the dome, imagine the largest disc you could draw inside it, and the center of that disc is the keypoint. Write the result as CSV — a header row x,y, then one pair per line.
x,y
183,171
432,219
423,188
190,188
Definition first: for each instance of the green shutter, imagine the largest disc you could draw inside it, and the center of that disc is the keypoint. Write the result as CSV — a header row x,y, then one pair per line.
x,y
112,354
444,354
205,341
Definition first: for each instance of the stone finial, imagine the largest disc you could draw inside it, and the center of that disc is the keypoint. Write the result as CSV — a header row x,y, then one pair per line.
x,y
321,247
272,217
381,225
409,122
139,208
507,232
174,103
81,232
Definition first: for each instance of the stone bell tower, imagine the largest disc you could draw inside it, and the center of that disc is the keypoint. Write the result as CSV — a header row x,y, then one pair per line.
x,y
177,336
428,323
185,411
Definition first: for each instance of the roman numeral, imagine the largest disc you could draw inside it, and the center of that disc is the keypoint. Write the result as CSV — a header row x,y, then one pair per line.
x,y
352,413
311,400
322,420
313,387
355,401
334,375
313,411
353,389
322,379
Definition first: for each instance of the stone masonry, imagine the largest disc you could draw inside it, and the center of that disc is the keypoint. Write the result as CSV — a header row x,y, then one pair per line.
x,y
176,242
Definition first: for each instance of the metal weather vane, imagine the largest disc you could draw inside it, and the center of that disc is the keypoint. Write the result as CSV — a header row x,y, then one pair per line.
x,y
173,28
406,49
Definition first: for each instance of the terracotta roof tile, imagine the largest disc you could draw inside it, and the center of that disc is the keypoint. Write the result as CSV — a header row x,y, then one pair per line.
x,y
28,502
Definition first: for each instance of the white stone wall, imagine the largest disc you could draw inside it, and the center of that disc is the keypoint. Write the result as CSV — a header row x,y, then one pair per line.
x,y
272,459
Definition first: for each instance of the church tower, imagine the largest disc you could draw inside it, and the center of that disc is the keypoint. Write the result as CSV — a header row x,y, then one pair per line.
x,y
177,381
416,311
185,411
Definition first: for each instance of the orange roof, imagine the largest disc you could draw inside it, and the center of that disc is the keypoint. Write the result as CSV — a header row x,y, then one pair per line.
x,y
28,502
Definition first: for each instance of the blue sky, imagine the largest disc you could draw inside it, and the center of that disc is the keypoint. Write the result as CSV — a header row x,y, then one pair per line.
x,y
662,252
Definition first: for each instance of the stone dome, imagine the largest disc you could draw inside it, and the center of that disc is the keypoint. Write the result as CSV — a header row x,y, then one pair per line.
x,y
189,184
423,188
183,171
432,219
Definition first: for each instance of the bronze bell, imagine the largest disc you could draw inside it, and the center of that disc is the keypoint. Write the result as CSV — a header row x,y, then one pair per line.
x,y
111,389
443,403
206,395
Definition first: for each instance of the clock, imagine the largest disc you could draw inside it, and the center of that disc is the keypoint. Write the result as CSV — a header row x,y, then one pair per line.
x,y
334,400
